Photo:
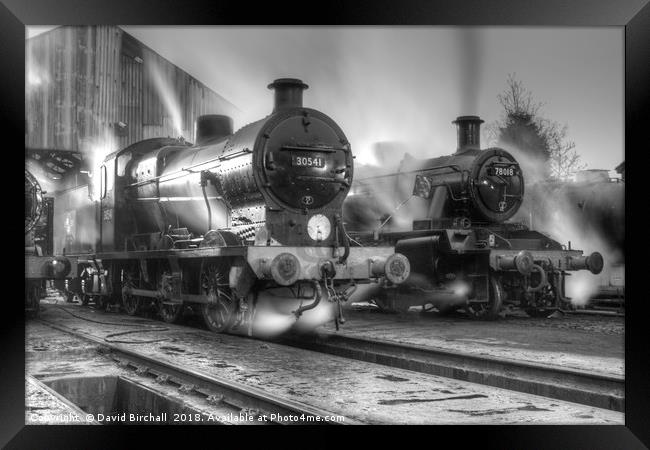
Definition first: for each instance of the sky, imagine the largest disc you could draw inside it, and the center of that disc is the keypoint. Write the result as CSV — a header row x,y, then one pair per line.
x,y
407,84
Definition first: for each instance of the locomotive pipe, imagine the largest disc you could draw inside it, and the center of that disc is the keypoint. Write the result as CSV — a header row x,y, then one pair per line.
x,y
543,279
205,177
346,240
561,288
468,131
207,205
288,93
315,301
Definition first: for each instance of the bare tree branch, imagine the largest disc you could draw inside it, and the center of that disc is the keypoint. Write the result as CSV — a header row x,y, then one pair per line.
x,y
522,127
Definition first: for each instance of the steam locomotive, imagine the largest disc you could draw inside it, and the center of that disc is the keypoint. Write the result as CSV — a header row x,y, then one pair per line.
x,y
463,251
40,264
231,221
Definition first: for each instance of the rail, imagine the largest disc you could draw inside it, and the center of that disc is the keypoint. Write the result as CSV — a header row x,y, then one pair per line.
x,y
230,392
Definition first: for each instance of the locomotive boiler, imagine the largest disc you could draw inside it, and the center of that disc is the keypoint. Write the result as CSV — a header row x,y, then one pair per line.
x,y
464,252
237,218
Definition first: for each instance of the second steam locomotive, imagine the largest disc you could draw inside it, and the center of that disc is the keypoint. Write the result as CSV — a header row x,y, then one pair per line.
x,y
232,221
463,251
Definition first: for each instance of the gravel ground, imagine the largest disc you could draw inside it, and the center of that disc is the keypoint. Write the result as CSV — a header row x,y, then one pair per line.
x,y
367,392
576,341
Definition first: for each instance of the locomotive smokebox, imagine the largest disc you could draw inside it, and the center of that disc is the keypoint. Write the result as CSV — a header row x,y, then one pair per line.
x,y
212,126
469,133
288,93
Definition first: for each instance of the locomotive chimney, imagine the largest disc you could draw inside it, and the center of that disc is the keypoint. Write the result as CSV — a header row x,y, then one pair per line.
x,y
469,133
212,126
288,93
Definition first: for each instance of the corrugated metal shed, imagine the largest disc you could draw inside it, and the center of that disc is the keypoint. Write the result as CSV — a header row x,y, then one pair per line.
x,y
96,89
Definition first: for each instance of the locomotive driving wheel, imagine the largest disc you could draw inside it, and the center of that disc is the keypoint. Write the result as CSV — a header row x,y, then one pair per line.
x,y
130,302
169,312
219,312
488,310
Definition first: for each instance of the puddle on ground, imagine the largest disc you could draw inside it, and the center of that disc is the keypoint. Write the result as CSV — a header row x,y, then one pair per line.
x,y
392,378
401,401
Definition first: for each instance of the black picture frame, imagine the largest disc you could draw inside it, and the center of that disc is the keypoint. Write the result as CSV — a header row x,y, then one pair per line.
x,y
634,15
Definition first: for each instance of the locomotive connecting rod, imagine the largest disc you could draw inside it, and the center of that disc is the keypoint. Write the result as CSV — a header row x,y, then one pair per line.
x,y
167,297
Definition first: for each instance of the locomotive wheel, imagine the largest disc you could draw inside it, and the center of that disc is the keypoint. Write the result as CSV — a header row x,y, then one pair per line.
x,y
544,303
169,312
219,314
491,309
131,303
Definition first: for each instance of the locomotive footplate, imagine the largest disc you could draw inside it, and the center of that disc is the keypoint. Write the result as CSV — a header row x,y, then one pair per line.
x,y
205,252
362,262
281,264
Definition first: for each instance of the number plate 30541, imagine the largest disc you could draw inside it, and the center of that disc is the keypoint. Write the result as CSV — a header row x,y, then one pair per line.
x,y
307,161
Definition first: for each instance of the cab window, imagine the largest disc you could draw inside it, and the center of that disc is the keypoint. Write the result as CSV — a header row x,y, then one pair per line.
x,y
122,162
102,182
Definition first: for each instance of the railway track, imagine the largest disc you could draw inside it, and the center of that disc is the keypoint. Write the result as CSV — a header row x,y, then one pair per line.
x,y
570,385
237,397
588,388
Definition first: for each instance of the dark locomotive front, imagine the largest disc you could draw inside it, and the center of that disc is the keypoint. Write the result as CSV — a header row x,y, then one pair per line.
x,y
40,264
235,218
462,250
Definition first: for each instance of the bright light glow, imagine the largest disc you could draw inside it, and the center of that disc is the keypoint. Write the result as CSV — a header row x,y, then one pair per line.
x,y
167,95
274,313
268,323
460,288
95,151
581,286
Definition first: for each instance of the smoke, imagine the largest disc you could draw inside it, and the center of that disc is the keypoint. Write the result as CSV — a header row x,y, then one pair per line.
x,y
274,313
470,51
46,183
36,75
167,94
378,83
549,209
